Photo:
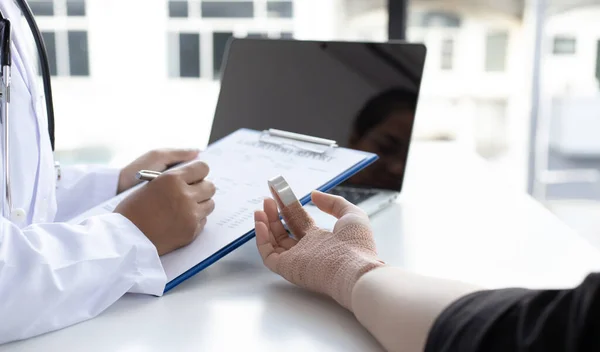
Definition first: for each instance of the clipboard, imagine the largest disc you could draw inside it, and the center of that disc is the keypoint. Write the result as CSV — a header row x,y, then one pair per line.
x,y
299,141
285,140
241,165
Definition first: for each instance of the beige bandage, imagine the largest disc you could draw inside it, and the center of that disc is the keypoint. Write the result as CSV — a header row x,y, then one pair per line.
x,y
325,262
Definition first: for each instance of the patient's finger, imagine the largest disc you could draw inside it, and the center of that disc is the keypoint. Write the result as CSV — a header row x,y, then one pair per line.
x,y
280,234
297,220
267,252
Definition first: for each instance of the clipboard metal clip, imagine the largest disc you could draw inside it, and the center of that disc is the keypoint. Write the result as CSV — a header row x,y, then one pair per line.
x,y
298,141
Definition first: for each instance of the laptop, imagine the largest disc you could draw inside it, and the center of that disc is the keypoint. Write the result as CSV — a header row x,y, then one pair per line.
x,y
362,95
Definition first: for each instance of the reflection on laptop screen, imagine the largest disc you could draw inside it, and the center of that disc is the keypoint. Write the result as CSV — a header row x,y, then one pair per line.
x,y
363,95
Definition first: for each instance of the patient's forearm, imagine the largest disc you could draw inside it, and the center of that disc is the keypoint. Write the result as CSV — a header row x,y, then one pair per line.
x,y
399,307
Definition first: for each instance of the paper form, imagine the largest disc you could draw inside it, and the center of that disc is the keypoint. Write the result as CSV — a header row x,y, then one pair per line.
x,y
240,167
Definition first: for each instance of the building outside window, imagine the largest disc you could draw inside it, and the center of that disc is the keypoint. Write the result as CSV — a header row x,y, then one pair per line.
x,y
198,53
227,9
434,19
50,42
42,7
598,62
185,51
178,9
564,45
282,9
75,7
447,58
220,40
67,48
496,47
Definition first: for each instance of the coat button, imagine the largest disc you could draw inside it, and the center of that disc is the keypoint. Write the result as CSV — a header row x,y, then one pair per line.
x,y
18,216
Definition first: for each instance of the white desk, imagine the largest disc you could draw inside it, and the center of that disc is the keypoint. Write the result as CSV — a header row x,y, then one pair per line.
x,y
454,220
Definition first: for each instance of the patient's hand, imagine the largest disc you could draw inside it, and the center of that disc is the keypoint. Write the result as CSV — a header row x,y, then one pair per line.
x,y
327,262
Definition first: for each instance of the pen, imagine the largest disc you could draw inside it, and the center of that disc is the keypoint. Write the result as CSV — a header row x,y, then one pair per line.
x,y
147,175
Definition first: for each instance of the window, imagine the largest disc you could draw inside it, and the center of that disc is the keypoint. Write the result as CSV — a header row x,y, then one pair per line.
x,y
178,8
71,58
201,55
564,45
279,9
78,53
447,58
67,49
189,54
75,7
434,19
68,8
50,43
227,9
184,55
42,7
220,40
496,47
257,35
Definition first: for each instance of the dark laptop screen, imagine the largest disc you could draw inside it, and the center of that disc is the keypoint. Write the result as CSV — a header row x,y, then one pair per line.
x,y
363,95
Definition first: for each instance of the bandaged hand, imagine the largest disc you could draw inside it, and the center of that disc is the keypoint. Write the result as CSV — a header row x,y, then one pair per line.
x,y
316,259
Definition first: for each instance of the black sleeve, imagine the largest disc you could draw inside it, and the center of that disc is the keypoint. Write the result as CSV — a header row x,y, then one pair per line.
x,y
521,320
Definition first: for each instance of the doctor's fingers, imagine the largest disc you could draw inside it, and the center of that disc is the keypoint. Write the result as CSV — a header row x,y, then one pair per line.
x,y
201,225
202,191
193,172
172,156
205,208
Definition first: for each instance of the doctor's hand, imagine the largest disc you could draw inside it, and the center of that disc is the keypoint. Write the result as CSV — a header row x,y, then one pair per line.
x,y
155,160
171,210
326,262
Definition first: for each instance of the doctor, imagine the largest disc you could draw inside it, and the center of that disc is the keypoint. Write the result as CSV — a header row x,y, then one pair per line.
x,y
54,274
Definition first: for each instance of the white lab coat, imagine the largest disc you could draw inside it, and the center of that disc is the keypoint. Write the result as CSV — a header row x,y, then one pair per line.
x,y
54,274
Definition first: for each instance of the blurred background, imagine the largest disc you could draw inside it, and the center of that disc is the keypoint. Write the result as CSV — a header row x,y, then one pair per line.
x,y
515,81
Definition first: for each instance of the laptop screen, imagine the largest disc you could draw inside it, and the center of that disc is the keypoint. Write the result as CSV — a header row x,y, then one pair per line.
x,y
362,95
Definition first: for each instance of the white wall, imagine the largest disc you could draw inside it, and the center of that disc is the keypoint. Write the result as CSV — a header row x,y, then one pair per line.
x,y
318,19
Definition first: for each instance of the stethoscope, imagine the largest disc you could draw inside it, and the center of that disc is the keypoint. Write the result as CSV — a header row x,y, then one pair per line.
x,y
5,64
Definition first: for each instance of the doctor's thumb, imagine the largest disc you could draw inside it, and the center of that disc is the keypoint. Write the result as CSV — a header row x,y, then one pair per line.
x,y
172,156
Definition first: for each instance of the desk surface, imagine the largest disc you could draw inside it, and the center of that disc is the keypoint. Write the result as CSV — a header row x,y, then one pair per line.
x,y
454,220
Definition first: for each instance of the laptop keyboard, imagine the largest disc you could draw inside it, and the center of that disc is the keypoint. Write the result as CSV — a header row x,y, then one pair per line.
x,y
354,195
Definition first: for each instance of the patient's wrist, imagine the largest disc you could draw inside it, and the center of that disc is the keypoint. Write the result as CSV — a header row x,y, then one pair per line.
x,y
349,274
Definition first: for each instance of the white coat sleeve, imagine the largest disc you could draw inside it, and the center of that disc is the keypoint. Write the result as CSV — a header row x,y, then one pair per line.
x,y
57,274
82,187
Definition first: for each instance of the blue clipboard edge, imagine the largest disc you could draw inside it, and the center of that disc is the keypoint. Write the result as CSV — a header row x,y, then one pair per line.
x,y
248,236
